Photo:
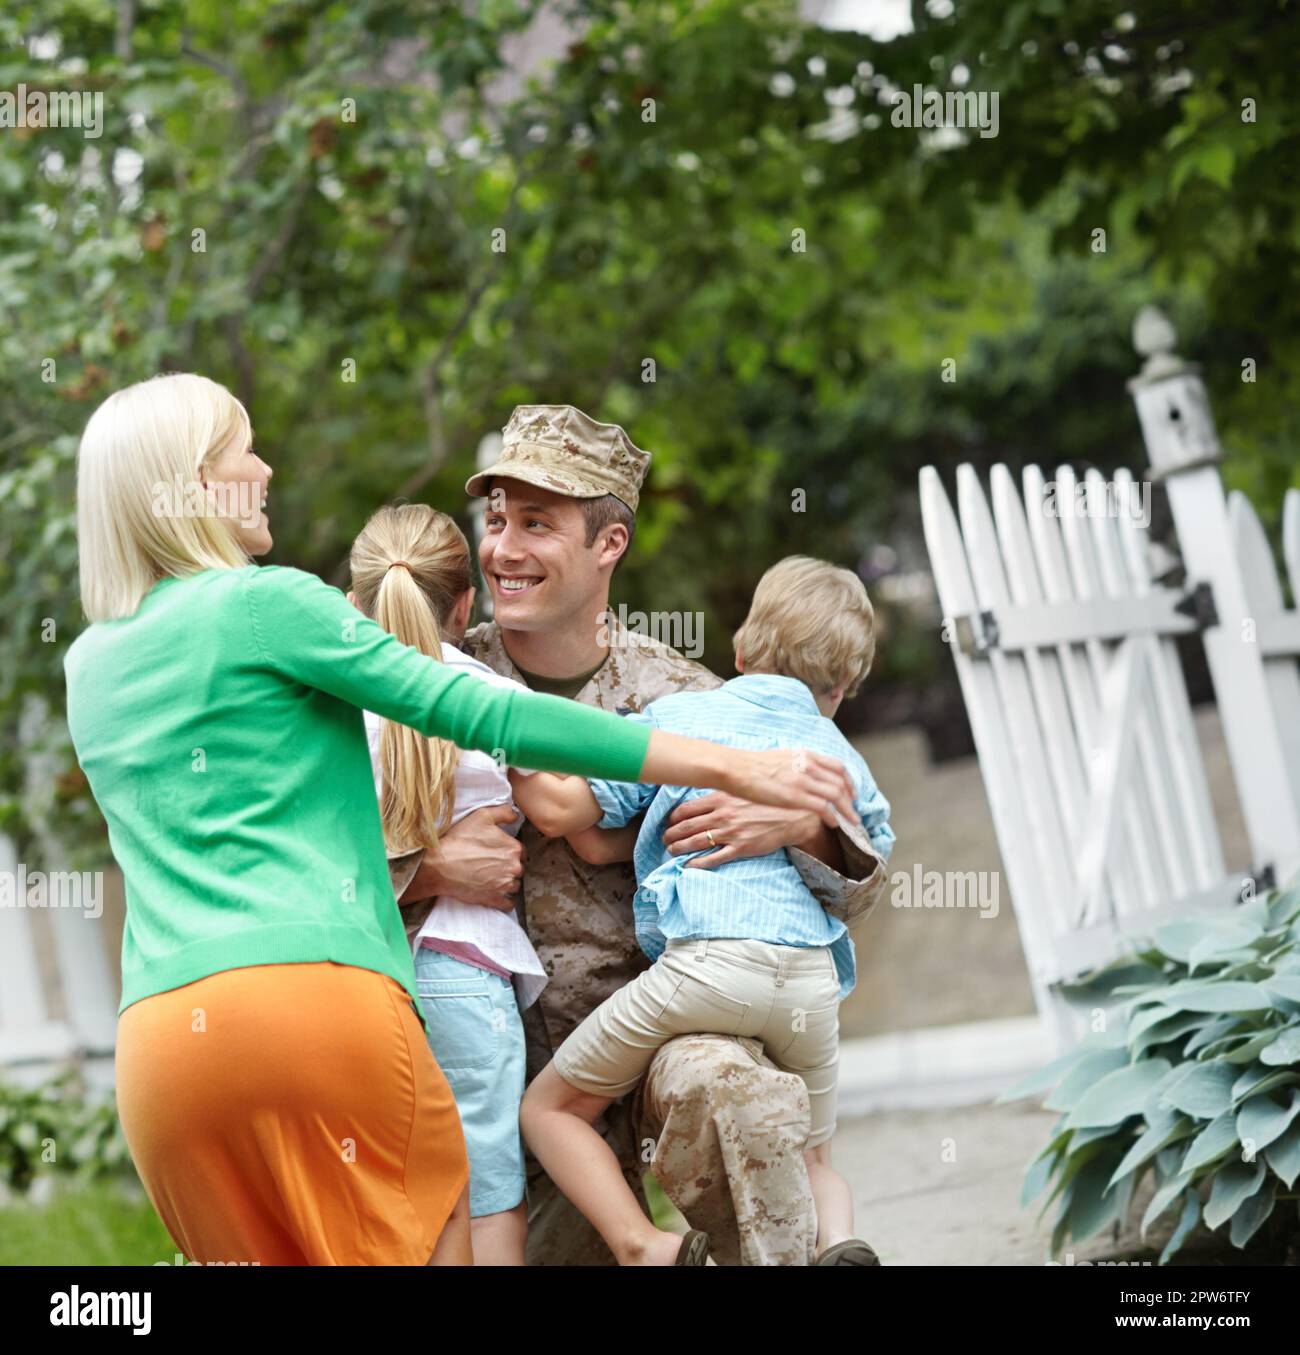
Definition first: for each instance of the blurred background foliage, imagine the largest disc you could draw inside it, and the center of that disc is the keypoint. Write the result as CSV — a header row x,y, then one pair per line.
x,y
328,239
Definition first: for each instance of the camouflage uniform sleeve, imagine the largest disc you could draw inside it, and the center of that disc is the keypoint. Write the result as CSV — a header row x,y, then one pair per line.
x,y
401,871
848,897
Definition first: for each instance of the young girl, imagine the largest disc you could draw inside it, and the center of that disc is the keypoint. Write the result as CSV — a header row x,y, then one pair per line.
x,y
411,573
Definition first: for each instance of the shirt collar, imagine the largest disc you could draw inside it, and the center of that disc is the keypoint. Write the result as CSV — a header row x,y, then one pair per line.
x,y
772,691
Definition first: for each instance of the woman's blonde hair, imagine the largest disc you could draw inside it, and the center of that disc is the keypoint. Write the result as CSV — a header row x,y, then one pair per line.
x,y
141,449
410,566
812,621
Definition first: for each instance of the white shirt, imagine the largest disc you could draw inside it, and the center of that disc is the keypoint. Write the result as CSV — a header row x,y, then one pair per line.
x,y
480,782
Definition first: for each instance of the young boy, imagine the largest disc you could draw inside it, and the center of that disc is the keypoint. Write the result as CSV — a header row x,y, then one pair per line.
x,y
742,948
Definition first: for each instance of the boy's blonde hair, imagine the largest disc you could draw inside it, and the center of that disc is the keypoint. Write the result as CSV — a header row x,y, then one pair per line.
x,y
810,620
156,433
410,566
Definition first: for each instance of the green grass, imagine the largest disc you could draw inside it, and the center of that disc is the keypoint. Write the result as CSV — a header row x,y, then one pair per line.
x,y
92,1225
107,1225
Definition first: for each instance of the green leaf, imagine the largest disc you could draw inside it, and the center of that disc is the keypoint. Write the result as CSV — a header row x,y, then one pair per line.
x,y
1261,1120
1165,1196
1090,1070
1203,1090
1221,940
1036,1179
1159,1133
1251,1049
1284,1156
1233,1184
1118,1095
1094,1204
1285,1049
1251,1215
1217,1138
1258,1079
1210,1032
1048,1075
1191,1215
1170,1027
1217,997
1283,985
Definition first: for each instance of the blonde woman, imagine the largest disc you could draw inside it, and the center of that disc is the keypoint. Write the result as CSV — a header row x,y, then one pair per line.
x,y
273,1079
411,572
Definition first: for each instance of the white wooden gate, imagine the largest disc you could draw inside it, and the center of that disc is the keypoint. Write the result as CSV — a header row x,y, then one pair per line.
x,y
1063,638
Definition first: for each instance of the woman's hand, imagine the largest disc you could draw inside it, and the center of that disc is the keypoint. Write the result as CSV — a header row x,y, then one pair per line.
x,y
793,778
790,778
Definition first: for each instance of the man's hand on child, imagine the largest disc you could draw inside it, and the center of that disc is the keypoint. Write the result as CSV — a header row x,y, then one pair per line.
x,y
729,829
476,862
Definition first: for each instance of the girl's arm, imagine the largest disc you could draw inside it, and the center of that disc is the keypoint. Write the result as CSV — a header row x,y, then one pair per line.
x,y
556,805
308,632
563,806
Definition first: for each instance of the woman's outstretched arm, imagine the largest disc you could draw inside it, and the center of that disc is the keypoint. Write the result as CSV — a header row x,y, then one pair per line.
x,y
310,633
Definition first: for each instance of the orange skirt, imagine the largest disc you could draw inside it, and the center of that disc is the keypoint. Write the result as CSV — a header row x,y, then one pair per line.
x,y
290,1114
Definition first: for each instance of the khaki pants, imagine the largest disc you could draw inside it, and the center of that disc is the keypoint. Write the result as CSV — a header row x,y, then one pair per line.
x,y
786,997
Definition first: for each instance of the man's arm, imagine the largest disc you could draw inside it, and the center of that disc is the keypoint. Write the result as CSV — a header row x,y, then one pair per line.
x,y
840,867
852,893
476,862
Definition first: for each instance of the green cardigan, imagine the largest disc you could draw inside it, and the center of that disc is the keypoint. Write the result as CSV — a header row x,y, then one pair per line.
x,y
220,728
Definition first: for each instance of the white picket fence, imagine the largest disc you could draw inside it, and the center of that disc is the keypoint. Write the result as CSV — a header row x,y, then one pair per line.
x,y
1277,626
1063,638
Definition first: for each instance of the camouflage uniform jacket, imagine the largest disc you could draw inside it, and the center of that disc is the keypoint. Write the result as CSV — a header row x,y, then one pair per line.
x,y
579,916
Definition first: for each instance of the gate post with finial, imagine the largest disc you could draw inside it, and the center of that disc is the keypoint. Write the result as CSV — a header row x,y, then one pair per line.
x,y
1184,451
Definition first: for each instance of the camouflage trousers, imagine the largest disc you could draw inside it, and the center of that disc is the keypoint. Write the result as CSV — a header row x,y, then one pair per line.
x,y
722,1130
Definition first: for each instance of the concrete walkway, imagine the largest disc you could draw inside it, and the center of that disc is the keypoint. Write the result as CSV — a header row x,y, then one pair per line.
x,y
942,1187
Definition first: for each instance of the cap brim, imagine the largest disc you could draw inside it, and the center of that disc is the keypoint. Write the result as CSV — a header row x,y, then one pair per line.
x,y
572,486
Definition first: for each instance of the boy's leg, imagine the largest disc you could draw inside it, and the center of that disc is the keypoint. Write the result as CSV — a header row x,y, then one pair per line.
x,y
803,1037
499,1239
833,1197
557,1122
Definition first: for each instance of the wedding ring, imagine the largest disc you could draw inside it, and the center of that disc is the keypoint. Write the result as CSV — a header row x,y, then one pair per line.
x,y
708,833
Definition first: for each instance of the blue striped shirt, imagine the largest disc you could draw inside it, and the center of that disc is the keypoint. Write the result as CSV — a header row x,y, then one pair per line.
x,y
761,898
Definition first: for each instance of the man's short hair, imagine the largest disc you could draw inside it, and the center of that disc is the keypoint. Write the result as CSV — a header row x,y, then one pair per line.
x,y
605,512
810,620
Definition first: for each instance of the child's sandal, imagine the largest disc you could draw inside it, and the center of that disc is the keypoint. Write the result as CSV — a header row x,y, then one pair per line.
x,y
694,1250
853,1252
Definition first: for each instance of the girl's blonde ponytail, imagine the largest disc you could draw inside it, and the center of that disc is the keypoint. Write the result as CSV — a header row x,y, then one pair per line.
x,y
410,565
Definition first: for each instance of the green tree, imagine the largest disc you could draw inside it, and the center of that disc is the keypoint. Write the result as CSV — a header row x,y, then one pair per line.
x,y
287,196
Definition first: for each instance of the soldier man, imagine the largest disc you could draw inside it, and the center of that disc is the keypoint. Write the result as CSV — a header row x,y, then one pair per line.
x,y
719,1126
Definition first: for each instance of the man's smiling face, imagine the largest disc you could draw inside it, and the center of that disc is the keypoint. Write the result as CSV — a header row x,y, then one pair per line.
x,y
535,557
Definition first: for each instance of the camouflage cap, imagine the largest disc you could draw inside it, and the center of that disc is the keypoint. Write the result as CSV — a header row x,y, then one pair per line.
x,y
557,447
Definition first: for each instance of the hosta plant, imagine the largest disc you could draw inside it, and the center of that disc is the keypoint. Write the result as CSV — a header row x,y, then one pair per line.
x,y
1191,1074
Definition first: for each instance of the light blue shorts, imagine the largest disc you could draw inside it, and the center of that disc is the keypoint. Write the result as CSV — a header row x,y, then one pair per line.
x,y
477,1036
